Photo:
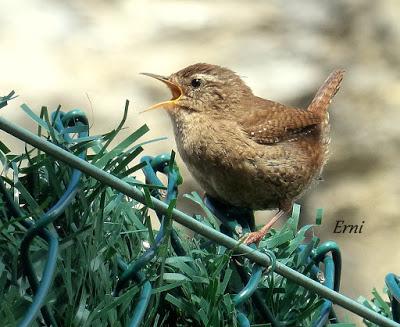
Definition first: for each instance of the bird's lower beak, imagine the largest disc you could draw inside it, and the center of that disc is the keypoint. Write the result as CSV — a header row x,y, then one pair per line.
x,y
175,90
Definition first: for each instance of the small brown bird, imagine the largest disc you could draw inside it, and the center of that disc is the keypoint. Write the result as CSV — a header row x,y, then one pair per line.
x,y
243,150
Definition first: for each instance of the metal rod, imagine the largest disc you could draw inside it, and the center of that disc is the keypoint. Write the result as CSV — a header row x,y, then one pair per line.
x,y
193,224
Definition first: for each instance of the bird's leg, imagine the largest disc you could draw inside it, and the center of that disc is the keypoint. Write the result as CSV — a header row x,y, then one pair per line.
x,y
256,237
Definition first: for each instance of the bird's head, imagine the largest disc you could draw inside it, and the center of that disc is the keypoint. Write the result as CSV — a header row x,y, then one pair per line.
x,y
202,88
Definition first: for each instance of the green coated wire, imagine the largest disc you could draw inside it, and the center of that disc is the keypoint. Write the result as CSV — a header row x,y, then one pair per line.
x,y
333,266
242,319
162,163
234,219
193,224
41,289
142,305
322,250
250,287
258,296
393,284
329,282
144,298
173,179
16,212
166,164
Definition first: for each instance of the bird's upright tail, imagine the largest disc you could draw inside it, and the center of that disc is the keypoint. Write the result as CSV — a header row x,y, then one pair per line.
x,y
326,92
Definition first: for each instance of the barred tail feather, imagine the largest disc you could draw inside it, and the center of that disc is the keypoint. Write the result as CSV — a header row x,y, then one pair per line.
x,y
326,92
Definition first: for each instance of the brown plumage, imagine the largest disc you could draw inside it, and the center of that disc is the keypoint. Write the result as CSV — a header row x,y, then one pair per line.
x,y
244,150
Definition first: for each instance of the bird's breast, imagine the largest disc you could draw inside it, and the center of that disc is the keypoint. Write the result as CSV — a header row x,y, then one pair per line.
x,y
202,139
230,166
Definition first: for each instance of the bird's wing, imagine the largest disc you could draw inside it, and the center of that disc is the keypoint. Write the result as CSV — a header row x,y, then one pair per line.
x,y
268,122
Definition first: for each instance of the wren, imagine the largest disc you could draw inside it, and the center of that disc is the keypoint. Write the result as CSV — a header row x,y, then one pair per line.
x,y
243,150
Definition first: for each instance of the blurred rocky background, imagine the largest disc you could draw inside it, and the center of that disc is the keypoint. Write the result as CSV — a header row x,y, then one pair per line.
x,y
88,54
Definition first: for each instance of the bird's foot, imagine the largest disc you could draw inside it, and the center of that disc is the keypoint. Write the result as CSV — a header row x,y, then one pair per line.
x,y
256,237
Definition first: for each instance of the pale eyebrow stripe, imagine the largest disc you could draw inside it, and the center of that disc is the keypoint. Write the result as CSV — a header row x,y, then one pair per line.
x,y
206,77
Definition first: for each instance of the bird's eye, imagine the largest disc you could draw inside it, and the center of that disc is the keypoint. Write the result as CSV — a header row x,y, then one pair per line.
x,y
196,82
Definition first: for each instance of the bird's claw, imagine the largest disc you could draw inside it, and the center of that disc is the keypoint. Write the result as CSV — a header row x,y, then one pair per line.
x,y
253,237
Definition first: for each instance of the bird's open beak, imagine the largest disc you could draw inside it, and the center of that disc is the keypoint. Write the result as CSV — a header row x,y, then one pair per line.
x,y
175,90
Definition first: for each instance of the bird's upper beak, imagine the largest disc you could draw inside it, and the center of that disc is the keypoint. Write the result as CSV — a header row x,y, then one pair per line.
x,y
176,91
